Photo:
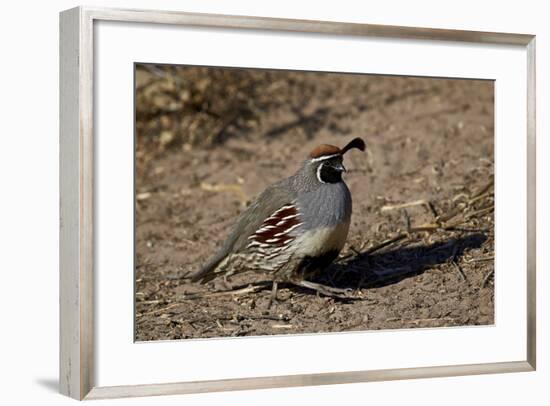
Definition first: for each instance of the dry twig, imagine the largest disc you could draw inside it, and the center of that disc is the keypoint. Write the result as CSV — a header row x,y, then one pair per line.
x,y
487,278
243,291
405,205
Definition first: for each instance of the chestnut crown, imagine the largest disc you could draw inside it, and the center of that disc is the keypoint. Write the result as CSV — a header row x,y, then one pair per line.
x,y
325,150
325,161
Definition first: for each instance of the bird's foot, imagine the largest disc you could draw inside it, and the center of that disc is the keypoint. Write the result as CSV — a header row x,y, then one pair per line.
x,y
328,290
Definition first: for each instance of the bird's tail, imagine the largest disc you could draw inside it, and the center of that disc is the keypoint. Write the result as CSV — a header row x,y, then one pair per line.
x,y
208,271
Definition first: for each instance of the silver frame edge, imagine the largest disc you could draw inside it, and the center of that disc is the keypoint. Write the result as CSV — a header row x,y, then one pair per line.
x,y
76,203
76,371
179,388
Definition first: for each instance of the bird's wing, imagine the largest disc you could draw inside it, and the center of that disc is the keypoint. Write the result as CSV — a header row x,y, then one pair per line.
x,y
248,224
272,200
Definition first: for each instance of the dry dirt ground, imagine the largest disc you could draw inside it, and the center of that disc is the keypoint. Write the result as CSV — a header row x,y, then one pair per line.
x,y
421,245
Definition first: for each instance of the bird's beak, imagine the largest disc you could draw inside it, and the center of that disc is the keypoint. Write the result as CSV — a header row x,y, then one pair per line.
x,y
340,167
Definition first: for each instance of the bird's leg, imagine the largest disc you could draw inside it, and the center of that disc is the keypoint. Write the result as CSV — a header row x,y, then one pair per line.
x,y
225,282
326,290
273,296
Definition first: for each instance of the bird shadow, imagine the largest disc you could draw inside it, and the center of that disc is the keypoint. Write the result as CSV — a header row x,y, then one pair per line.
x,y
372,270
367,270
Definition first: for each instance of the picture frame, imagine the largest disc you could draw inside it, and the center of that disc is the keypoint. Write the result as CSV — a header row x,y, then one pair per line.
x,y
77,199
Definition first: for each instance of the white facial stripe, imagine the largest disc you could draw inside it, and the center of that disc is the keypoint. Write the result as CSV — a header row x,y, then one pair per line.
x,y
319,173
323,157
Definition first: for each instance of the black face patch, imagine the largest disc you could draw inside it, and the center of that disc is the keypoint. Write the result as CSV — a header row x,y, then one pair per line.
x,y
330,171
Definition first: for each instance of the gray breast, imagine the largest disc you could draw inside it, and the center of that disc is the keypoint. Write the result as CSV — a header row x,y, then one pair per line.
x,y
326,206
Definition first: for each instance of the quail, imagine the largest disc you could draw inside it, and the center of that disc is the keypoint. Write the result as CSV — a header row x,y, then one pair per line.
x,y
296,227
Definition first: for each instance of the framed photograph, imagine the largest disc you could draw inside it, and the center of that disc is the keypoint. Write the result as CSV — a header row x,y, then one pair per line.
x,y
253,203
